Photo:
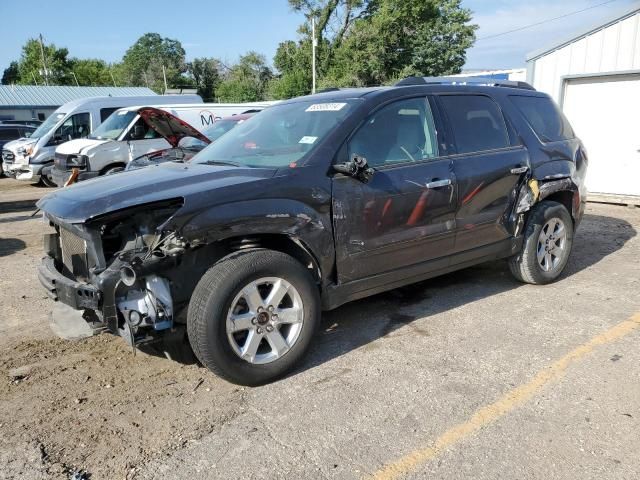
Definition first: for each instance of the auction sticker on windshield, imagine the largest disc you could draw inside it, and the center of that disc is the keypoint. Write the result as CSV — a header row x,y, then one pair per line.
x,y
308,139
325,107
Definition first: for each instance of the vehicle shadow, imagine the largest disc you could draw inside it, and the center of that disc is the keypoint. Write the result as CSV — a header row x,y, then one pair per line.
x,y
354,325
9,246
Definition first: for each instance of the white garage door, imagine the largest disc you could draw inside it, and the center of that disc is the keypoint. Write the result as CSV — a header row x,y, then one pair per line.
x,y
605,113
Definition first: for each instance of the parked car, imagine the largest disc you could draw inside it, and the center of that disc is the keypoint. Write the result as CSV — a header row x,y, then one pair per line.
x,y
318,201
12,131
30,159
125,135
187,143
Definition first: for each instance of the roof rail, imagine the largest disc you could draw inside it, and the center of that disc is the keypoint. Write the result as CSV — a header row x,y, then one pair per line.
x,y
480,81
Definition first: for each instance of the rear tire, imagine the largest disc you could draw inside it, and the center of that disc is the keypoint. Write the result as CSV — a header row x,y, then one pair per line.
x,y
548,238
252,316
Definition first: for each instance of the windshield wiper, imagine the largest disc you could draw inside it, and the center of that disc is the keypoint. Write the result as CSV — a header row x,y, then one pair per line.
x,y
221,162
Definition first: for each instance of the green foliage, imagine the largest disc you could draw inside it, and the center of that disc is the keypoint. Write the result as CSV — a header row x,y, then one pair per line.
x,y
91,72
206,76
246,81
290,84
31,70
11,74
360,43
143,61
373,42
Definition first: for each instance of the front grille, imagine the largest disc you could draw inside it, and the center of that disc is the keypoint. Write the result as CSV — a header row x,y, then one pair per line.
x,y
8,156
74,255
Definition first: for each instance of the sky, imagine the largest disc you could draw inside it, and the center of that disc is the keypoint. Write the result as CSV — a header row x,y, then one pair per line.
x,y
226,29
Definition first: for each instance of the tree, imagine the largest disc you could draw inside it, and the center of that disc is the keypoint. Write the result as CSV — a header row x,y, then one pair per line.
x,y
11,74
246,81
206,76
143,61
31,68
373,42
91,72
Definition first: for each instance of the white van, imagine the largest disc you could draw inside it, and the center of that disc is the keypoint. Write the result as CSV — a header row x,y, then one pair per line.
x,y
27,158
125,136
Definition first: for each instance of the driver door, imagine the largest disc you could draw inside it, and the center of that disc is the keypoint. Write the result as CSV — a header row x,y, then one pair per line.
x,y
405,215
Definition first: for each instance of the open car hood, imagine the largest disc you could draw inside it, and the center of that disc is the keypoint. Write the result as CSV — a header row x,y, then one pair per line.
x,y
170,127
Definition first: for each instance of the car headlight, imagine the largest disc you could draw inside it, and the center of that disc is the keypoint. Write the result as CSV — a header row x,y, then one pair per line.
x,y
77,161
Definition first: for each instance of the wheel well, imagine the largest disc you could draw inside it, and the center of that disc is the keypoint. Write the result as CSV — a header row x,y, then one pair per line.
x,y
112,165
564,197
281,243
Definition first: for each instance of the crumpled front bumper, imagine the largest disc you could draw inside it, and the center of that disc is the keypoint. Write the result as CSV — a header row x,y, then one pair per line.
x,y
24,172
60,288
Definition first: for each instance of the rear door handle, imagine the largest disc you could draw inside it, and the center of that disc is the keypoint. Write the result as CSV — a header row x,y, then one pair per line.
x,y
519,170
438,183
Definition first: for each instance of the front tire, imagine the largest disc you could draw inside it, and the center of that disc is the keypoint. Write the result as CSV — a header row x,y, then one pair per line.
x,y
548,238
252,316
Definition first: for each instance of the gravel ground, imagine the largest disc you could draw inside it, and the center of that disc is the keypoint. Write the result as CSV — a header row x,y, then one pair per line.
x,y
386,377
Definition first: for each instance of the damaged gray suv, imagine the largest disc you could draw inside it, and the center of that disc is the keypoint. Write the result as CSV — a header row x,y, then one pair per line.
x,y
312,203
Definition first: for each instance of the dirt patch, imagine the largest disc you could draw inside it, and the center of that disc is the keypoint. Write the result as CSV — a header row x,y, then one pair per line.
x,y
92,405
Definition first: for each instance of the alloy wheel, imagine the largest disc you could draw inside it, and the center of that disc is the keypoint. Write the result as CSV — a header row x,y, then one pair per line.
x,y
265,320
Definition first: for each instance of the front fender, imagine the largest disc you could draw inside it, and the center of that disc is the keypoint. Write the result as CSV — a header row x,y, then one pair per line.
x,y
278,216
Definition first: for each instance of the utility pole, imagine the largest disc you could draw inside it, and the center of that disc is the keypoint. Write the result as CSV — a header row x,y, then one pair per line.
x,y
75,78
314,44
44,62
112,79
34,78
146,81
164,74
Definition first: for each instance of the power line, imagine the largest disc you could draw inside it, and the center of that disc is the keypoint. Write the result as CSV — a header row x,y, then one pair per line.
x,y
545,21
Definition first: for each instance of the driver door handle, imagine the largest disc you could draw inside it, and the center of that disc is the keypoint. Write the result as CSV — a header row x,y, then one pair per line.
x,y
519,170
438,183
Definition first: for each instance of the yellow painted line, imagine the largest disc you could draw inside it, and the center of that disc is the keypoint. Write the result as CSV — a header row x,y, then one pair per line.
x,y
510,400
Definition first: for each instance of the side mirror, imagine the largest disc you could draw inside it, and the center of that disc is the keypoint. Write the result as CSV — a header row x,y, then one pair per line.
x,y
27,134
357,168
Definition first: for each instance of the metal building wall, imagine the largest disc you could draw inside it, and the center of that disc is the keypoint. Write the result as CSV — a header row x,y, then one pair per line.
x,y
614,48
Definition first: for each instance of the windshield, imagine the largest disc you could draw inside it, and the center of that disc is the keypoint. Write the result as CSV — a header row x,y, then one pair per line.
x,y
48,124
114,125
278,136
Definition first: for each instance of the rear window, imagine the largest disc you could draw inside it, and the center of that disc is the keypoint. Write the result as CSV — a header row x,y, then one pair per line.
x,y
544,117
477,123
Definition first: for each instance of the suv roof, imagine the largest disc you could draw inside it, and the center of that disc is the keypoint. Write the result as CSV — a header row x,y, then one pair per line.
x,y
428,84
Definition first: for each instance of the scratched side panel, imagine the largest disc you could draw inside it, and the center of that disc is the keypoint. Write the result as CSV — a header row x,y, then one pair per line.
x,y
488,191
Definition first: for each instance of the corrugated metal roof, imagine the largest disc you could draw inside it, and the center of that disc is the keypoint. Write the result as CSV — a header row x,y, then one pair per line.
x,y
50,96
617,16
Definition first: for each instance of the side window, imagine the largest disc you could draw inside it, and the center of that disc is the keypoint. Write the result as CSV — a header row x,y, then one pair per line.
x,y
402,131
544,117
76,126
9,133
141,131
476,121
105,112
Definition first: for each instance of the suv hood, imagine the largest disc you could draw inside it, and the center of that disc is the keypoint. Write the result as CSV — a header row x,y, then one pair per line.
x,y
170,127
199,186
